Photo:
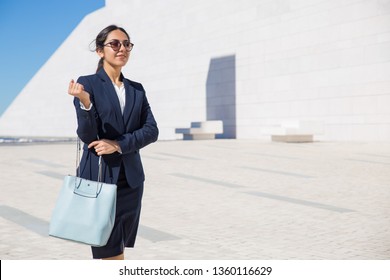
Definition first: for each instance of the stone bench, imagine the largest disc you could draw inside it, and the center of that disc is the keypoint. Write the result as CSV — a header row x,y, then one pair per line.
x,y
294,131
201,130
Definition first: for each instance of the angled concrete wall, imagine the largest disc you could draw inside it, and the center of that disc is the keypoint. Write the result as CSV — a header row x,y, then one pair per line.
x,y
43,108
326,61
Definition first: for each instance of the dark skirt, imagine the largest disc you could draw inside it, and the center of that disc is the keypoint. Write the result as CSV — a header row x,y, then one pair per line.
x,y
128,210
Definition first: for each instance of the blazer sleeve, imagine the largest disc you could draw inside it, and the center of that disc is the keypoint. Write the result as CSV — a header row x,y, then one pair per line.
x,y
86,120
146,134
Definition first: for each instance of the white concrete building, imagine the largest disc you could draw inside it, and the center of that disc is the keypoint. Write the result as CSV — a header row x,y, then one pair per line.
x,y
255,64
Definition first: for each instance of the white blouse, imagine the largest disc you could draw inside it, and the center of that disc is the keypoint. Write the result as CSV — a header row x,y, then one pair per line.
x,y
120,92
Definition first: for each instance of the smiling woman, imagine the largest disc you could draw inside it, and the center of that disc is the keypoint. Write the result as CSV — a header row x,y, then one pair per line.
x,y
114,121
58,18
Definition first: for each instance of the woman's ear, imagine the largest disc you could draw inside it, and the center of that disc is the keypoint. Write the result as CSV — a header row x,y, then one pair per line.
x,y
100,53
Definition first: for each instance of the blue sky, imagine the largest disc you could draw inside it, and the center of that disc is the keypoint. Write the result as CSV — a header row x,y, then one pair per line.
x,y
31,31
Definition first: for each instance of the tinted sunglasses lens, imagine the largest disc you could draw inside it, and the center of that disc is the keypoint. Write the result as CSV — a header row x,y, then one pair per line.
x,y
115,45
127,44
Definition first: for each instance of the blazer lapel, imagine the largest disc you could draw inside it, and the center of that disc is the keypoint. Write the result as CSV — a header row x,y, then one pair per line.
x,y
112,96
130,101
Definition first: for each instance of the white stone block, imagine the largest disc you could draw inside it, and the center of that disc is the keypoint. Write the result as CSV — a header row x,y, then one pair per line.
x,y
201,130
297,130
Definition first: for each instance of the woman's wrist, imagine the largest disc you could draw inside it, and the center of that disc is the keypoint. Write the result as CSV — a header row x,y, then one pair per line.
x,y
117,147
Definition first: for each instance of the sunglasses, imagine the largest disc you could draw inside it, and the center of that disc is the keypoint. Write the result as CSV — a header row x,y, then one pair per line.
x,y
116,45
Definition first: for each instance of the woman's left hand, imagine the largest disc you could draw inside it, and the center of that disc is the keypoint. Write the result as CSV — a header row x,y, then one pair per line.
x,y
105,146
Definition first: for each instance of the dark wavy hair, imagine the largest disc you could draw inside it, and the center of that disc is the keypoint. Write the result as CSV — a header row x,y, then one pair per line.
x,y
102,37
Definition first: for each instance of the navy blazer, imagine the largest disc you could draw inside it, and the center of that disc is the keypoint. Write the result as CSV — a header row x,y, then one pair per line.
x,y
133,131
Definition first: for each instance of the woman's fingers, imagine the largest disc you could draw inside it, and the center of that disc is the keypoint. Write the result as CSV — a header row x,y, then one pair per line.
x,y
93,144
98,145
75,89
70,86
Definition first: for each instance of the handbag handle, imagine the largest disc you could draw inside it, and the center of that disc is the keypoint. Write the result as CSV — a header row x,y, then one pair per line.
x,y
78,172
78,161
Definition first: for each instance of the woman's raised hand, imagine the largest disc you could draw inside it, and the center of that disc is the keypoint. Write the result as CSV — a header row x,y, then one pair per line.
x,y
77,90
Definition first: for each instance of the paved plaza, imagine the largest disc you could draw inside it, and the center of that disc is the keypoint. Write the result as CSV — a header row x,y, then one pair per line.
x,y
217,199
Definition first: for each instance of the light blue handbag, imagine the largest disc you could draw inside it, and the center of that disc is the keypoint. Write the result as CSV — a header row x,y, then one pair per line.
x,y
85,210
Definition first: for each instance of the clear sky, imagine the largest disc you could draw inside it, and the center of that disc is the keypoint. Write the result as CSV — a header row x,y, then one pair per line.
x,y
31,31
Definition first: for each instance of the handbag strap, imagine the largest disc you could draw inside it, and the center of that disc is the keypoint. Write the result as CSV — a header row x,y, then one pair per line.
x,y
78,161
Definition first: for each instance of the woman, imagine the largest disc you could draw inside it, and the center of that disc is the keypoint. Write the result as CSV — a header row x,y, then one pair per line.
x,y
114,121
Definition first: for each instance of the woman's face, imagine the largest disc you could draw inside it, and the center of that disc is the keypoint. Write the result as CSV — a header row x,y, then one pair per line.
x,y
111,54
